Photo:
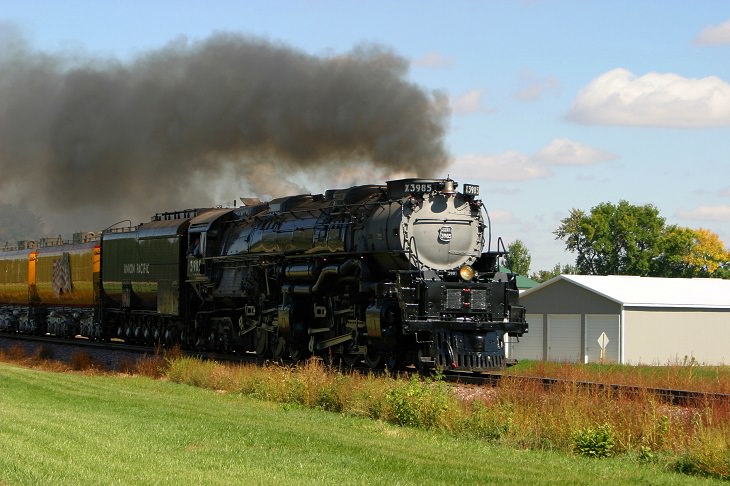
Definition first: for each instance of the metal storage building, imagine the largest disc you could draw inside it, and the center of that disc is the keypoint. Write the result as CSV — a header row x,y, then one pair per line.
x,y
637,320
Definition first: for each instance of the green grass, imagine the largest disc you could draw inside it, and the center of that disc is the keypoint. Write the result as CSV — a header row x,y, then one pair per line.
x,y
71,428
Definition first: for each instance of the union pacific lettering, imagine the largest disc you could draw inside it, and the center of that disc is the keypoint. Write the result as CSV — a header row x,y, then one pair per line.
x,y
136,269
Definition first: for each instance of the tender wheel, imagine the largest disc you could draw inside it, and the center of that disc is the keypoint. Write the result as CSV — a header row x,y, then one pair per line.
x,y
170,337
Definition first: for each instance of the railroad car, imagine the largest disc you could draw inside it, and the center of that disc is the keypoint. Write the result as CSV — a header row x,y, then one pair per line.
x,y
396,274
17,276
51,287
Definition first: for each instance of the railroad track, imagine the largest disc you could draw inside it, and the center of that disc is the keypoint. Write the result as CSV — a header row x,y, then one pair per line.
x,y
108,355
112,356
667,395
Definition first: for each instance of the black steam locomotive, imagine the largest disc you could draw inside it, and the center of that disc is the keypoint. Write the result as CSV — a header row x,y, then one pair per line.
x,y
391,275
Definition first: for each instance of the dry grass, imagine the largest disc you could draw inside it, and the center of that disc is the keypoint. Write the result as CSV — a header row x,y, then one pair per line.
x,y
591,421
684,375
42,357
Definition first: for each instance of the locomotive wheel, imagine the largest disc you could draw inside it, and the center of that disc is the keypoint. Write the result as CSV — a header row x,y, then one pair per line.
x,y
298,352
262,342
278,348
224,342
373,360
350,360
392,361
421,366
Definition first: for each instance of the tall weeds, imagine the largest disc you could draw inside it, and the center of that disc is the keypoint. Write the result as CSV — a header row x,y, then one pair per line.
x,y
590,421
571,417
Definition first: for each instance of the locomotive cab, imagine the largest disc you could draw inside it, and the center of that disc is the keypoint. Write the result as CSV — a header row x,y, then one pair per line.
x,y
204,235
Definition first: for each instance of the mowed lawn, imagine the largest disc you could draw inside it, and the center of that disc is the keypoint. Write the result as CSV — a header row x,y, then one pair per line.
x,y
70,428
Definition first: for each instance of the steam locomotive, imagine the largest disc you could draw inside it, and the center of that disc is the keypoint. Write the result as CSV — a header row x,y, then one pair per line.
x,y
391,275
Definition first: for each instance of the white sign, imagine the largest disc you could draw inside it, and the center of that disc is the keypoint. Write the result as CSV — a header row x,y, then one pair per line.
x,y
603,340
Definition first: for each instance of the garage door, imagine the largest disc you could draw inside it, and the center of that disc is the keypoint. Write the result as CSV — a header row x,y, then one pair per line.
x,y
530,345
596,325
564,339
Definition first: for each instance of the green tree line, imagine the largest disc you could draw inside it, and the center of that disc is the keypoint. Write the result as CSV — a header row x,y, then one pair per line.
x,y
625,239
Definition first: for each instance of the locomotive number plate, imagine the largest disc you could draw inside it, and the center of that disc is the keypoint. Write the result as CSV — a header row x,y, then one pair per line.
x,y
471,190
418,187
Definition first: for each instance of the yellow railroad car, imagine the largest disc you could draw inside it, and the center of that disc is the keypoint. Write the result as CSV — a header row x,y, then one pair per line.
x,y
16,276
66,274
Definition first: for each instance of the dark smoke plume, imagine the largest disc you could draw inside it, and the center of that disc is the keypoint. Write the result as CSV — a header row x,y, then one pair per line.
x,y
17,223
97,139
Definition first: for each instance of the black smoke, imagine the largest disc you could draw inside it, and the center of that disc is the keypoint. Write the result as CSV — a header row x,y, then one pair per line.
x,y
17,223
90,139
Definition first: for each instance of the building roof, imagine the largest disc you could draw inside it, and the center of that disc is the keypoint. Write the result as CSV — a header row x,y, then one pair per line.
x,y
631,291
523,282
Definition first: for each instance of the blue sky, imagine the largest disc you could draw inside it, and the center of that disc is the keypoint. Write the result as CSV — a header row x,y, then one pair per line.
x,y
554,104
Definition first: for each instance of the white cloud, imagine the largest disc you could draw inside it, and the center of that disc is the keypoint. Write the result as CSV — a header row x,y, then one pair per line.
x,y
706,213
501,217
433,60
534,88
618,97
517,166
470,102
508,166
562,151
716,34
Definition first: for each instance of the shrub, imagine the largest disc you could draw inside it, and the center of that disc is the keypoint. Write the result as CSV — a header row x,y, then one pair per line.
x,y
645,454
151,366
707,455
417,403
594,442
369,396
190,371
483,422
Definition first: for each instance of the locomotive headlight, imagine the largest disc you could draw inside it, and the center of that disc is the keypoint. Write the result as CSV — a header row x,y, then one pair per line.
x,y
466,273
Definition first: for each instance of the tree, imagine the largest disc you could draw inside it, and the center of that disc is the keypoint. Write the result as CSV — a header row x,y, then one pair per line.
x,y
518,258
625,239
618,239
672,259
545,275
707,255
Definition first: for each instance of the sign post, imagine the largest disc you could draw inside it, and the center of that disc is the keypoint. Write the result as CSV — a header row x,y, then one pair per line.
x,y
603,342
